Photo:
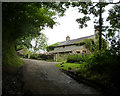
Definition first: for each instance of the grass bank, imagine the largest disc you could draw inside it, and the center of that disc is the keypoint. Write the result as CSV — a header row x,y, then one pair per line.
x,y
68,66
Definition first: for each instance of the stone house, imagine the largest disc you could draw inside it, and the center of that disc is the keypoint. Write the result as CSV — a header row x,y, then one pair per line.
x,y
69,47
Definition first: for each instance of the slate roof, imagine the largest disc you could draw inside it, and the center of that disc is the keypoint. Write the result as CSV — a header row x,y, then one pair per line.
x,y
74,41
70,42
66,49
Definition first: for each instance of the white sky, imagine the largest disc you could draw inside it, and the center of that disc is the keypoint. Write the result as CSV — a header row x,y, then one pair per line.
x,y
69,26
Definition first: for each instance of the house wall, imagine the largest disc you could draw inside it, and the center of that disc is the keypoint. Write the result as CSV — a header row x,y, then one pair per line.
x,y
63,56
80,50
60,57
74,48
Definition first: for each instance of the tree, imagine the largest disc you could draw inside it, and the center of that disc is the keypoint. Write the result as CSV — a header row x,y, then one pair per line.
x,y
23,42
40,42
95,8
24,20
92,45
114,29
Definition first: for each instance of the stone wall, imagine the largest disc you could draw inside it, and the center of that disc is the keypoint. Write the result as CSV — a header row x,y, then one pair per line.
x,y
60,57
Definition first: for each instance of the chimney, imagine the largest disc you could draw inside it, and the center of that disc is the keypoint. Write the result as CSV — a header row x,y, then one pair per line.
x,y
67,38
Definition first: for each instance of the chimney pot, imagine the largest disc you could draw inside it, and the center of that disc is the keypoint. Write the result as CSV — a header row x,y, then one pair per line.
x,y
67,38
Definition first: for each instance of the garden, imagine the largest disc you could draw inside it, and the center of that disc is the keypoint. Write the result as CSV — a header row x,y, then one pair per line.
x,y
100,68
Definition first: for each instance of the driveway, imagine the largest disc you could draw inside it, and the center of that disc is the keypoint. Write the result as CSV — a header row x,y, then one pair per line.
x,y
43,77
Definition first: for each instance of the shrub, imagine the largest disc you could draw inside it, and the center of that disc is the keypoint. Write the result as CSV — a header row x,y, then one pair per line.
x,y
78,58
42,56
33,56
72,58
104,62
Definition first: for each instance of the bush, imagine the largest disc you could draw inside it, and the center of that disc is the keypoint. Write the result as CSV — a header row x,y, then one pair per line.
x,y
33,56
78,58
72,58
103,62
41,56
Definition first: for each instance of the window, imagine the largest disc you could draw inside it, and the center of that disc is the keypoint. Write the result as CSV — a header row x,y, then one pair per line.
x,y
84,51
78,52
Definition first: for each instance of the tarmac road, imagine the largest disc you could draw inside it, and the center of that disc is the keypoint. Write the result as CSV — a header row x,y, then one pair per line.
x,y
43,77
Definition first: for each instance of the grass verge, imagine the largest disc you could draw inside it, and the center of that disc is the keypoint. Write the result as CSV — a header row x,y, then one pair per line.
x,y
68,66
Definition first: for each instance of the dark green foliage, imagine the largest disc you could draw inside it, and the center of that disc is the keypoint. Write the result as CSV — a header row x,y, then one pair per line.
x,y
69,68
113,29
51,47
96,9
19,47
102,67
103,60
92,45
72,58
83,21
89,44
113,17
22,20
33,56
27,19
42,56
78,58
9,57
23,42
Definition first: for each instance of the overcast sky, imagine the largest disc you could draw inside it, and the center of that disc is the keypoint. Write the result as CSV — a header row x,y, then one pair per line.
x,y
69,27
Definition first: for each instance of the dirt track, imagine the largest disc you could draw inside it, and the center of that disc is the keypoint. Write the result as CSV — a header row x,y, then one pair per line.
x,y
43,77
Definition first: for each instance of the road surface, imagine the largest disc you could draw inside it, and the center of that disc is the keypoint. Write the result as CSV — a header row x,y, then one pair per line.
x,y
43,77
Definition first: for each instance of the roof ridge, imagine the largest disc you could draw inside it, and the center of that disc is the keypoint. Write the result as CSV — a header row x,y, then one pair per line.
x,y
76,38
73,40
82,37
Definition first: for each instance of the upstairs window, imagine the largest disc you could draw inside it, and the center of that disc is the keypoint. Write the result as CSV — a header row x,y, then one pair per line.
x,y
84,51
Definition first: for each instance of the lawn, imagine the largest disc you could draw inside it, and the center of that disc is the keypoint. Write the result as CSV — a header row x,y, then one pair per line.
x,y
68,66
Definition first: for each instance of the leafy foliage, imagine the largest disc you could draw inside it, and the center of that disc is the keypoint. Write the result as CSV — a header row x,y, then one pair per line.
x,y
42,56
93,45
51,47
102,67
29,18
24,21
89,44
87,8
68,66
96,9
40,42
113,17
79,58
23,42
114,29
